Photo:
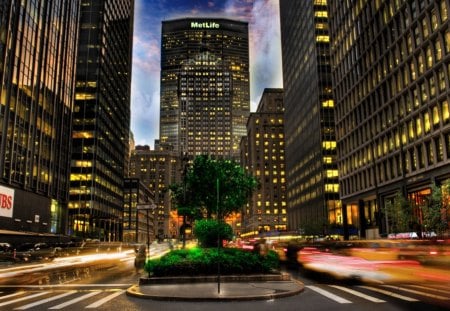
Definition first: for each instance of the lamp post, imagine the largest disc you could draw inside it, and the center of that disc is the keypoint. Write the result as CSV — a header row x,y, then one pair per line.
x,y
147,207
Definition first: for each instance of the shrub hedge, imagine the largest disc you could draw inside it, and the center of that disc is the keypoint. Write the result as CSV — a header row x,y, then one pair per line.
x,y
204,261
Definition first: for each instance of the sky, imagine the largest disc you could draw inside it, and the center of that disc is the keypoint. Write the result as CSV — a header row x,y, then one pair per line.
x,y
264,48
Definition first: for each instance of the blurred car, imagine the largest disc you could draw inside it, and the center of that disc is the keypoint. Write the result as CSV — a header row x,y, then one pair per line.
x,y
7,253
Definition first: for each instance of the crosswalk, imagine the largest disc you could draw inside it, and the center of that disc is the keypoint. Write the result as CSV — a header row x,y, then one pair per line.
x,y
380,293
29,299
61,298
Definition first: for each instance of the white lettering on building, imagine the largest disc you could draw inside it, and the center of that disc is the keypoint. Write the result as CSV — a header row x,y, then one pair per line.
x,y
205,25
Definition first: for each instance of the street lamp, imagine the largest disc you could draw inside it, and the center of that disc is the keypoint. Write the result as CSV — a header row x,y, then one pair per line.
x,y
147,207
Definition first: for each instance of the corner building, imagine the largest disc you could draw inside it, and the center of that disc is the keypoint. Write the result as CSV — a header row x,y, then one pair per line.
x,y
205,90
391,70
101,119
311,158
262,155
37,68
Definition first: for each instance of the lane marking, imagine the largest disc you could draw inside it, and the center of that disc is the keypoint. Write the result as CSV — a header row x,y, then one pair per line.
x,y
12,295
22,299
40,302
106,299
75,300
388,293
359,294
328,294
44,286
417,292
431,288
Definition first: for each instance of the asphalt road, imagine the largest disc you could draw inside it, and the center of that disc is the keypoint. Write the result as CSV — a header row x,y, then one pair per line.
x,y
106,290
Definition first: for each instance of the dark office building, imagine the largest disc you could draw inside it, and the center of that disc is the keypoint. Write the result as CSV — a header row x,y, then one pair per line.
x,y
138,212
262,155
157,170
101,119
37,61
311,164
205,90
391,85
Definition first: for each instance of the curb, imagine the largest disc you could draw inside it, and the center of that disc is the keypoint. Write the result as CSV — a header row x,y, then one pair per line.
x,y
135,291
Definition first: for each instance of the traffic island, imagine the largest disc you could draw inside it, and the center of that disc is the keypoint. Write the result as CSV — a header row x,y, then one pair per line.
x,y
209,288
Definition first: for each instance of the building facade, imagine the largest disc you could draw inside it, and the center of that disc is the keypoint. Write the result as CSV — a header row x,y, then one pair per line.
x,y
205,90
138,212
37,69
157,170
262,155
391,70
101,118
311,156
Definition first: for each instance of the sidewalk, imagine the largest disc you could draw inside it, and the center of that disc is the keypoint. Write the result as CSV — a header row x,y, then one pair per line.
x,y
209,291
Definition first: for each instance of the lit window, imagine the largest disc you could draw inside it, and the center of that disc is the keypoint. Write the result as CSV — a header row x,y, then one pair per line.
x,y
321,14
435,115
323,39
84,134
328,103
427,123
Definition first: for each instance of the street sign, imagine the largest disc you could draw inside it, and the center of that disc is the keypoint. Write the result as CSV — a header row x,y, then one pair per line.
x,y
145,206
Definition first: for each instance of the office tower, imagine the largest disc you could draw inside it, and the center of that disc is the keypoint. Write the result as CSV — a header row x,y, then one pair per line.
x,y
391,86
262,155
311,165
37,61
101,119
138,212
157,170
205,92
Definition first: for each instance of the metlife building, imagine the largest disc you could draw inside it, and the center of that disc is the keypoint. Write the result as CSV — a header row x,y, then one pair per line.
x,y
205,88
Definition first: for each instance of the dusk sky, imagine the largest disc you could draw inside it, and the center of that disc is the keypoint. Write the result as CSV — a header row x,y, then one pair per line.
x,y
265,52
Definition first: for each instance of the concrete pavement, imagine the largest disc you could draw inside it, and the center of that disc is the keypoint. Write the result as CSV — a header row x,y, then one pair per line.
x,y
213,291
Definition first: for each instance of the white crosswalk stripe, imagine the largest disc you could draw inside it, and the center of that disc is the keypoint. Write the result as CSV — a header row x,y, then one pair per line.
x,y
106,299
41,302
75,300
359,294
328,294
12,295
437,290
417,292
388,293
10,302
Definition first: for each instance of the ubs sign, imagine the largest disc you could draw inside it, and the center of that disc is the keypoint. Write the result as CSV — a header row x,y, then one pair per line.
x,y
6,202
205,25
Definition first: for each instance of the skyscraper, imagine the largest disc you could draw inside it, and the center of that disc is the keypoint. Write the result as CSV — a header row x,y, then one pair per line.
x,y
101,119
391,81
311,158
205,92
37,61
262,155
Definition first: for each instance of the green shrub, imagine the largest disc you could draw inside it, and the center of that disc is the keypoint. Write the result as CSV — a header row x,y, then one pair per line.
x,y
204,261
207,231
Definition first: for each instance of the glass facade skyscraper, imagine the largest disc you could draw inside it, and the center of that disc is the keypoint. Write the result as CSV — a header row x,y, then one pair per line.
x,y
37,66
391,84
311,154
205,90
101,119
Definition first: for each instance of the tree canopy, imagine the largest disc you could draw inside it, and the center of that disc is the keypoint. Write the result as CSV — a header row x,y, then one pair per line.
x,y
213,187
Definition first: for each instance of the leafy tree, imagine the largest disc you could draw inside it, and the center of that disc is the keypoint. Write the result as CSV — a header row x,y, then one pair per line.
x,y
217,186
436,209
209,231
399,214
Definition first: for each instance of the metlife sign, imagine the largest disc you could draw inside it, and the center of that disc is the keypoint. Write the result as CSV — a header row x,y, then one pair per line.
x,y
205,25
6,202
